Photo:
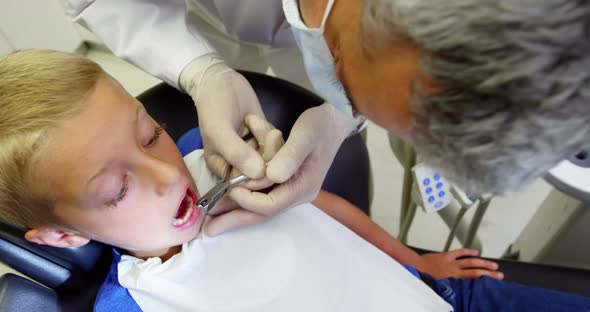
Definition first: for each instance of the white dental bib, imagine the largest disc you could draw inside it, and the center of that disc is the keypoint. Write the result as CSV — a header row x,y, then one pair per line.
x,y
301,260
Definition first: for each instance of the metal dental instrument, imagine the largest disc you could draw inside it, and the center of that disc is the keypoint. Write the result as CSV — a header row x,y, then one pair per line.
x,y
210,198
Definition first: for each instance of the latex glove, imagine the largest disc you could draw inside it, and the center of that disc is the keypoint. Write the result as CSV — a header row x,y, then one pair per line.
x,y
447,264
223,98
300,166
227,214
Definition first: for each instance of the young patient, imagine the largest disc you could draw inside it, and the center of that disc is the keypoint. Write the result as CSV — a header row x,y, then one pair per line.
x,y
80,159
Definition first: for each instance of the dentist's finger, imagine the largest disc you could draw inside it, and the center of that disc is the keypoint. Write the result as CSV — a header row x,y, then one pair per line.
x,y
224,205
291,155
255,185
284,195
232,220
272,143
252,143
238,153
259,127
216,163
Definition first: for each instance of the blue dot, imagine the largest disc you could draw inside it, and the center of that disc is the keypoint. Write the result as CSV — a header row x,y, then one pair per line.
x,y
429,190
438,205
426,181
437,176
439,185
441,194
431,199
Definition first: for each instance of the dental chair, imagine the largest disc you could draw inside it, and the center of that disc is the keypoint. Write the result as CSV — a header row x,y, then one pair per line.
x,y
68,279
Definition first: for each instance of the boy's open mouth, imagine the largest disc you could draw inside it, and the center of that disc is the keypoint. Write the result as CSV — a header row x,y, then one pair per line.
x,y
186,209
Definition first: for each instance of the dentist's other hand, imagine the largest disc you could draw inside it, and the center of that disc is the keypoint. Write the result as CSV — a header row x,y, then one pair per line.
x,y
223,98
300,166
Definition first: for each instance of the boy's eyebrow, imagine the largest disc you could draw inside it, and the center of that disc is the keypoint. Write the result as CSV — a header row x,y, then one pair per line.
x,y
134,127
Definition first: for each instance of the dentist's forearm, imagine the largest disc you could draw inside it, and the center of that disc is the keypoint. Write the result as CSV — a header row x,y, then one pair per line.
x,y
151,34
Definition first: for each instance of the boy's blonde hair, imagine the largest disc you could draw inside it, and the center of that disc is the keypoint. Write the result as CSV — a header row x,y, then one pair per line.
x,y
38,89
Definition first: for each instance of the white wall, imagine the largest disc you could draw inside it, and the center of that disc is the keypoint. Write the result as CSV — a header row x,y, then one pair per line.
x,y
5,46
36,24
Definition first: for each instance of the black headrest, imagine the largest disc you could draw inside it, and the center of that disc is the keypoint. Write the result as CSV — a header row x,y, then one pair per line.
x,y
48,265
281,101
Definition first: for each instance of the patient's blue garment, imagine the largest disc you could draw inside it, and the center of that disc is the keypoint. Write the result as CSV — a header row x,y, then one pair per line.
x,y
190,141
486,294
112,296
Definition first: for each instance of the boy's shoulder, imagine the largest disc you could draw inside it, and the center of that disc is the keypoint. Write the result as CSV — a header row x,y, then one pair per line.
x,y
190,141
111,295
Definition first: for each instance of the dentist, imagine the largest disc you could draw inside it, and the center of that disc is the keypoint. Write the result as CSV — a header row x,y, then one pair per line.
x,y
493,93
194,45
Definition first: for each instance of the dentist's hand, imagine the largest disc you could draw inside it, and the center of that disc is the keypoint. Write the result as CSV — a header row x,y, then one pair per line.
x,y
223,98
227,214
300,166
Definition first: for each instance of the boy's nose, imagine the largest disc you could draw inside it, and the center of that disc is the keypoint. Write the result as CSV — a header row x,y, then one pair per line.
x,y
163,174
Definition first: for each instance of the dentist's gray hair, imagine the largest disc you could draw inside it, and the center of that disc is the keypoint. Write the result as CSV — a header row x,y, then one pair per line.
x,y
514,78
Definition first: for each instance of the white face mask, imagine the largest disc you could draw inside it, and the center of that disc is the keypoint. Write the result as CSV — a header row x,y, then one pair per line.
x,y
319,62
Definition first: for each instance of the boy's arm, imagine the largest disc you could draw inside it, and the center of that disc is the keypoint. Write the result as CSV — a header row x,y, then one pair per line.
x,y
439,265
354,219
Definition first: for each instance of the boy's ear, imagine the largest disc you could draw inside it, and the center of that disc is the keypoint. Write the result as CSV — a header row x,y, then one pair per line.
x,y
56,237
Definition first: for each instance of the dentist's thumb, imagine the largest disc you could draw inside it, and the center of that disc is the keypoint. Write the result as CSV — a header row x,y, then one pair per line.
x,y
288,160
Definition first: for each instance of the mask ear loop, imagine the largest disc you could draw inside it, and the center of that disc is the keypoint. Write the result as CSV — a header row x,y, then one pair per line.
x,y
294,18
327,12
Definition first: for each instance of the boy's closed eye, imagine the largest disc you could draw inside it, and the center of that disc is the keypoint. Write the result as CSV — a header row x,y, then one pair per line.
x,y
125,185
157,132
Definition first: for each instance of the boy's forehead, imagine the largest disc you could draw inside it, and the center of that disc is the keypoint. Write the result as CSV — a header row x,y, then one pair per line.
x,y
83,143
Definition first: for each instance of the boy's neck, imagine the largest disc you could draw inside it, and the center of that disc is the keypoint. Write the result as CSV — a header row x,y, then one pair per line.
x,y
163,254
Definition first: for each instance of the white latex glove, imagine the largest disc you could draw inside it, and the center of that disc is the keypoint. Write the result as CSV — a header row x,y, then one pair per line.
x,y
300,166
223,98
227,214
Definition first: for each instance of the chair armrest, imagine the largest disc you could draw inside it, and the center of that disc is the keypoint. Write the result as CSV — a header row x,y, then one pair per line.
x,y
50,266
570,280
33,265
20,294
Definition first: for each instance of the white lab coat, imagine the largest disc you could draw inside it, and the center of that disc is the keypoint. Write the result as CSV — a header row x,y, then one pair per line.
x,y
163,36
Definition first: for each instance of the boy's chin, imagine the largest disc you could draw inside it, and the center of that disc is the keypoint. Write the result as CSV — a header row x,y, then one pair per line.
x,y
194,232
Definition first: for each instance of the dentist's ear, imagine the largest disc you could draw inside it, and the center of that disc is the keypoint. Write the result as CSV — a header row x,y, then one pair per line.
x,y
56,237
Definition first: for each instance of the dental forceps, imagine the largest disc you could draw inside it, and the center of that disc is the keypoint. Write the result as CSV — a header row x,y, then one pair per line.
x,y
210,198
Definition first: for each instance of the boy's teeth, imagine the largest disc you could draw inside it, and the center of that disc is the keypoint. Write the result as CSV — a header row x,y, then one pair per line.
x,y
184,218
187,213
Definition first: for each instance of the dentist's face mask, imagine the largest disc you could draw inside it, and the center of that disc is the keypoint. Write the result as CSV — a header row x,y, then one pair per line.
x,y
319,62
